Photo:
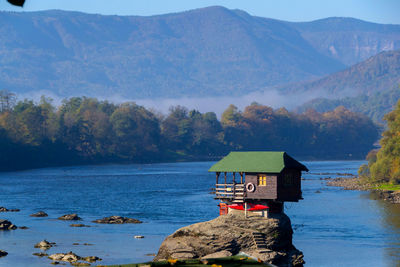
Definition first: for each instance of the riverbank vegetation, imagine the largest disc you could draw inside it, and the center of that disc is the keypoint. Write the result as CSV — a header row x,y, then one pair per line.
x,y
383,166
89,131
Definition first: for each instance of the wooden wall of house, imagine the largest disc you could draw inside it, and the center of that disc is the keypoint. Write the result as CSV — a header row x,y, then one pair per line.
x,y
289,185
262,192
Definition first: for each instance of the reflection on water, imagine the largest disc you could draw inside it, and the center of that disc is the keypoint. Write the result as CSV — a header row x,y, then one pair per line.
x,y
390,214
333,227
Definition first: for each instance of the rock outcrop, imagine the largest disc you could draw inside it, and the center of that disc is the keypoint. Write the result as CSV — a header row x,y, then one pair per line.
x,y
39,214
3,209
7,225
70,217
117,220
267,239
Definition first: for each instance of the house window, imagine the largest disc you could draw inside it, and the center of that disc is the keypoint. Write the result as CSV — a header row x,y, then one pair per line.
x,y
262,180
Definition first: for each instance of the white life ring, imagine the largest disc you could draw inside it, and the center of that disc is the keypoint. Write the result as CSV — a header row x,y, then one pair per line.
x,y
250,187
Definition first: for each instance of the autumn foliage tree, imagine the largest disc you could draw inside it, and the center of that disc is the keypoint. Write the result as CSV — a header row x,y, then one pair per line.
x,y
384,164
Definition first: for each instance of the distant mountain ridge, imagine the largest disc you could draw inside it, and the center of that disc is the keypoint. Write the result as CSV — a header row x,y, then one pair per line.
x,y
349,40
204,52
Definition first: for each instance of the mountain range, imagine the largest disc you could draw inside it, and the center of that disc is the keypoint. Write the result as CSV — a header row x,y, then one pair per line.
x,y
212,51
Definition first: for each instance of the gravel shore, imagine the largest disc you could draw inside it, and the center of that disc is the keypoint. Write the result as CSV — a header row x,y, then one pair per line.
x,y
355,184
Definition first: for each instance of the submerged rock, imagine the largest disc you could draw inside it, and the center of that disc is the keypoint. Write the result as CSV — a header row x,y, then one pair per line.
x,y
79,225
41,254
7,225
3,209
77,263
268,239
91,259
44,244
3,253
117,220
23,227
39,214
70,217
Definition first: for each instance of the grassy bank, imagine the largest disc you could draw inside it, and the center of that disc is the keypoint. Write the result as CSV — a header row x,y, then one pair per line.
x,y
387,187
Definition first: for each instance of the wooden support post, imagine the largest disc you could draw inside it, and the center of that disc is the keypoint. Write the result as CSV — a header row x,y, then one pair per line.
x,y
225,178
241,177
234,186
245,210
216,177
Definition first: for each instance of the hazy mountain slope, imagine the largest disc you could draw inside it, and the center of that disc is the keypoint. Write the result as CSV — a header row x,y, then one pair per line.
x,y
378,73
374,106
349,40
204,52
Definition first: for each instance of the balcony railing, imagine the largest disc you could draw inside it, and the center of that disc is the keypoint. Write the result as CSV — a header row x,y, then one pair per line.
x,y
231,192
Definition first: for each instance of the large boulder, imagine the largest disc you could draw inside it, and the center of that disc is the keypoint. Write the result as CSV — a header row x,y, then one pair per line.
x,y
3,253
39,214
117,220
7,225
72,257
267,239
70,217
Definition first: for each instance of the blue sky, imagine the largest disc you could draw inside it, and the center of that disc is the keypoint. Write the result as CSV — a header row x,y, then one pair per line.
x,y
381,11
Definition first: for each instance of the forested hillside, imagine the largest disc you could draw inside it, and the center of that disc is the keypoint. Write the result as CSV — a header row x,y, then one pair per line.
x,y
86,130
376,74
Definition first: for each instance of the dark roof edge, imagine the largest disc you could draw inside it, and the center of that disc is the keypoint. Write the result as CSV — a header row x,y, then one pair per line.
x,y
292,163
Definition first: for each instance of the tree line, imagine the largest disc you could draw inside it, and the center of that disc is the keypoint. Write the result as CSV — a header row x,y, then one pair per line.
x,y
85,130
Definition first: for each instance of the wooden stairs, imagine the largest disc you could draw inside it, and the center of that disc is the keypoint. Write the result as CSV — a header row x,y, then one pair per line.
x,y
238,193
260,242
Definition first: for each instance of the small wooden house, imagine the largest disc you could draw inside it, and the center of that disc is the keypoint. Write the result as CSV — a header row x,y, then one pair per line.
x,y
264,177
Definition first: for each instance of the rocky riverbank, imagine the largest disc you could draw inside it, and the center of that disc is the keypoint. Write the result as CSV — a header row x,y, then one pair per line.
x,y
267,239
355,184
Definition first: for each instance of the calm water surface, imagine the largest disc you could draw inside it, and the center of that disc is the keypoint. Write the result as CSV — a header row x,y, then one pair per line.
x,y
332,228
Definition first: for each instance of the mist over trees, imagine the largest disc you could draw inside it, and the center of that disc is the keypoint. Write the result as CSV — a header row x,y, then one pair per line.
x,y
85,130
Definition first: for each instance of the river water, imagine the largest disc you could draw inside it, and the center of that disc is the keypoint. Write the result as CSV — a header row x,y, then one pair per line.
x,y
332,227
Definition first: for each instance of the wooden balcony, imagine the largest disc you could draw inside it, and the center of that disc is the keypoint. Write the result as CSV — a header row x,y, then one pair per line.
x,y
234,193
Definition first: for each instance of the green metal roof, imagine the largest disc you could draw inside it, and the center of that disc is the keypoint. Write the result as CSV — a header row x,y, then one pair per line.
x,y
257,161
